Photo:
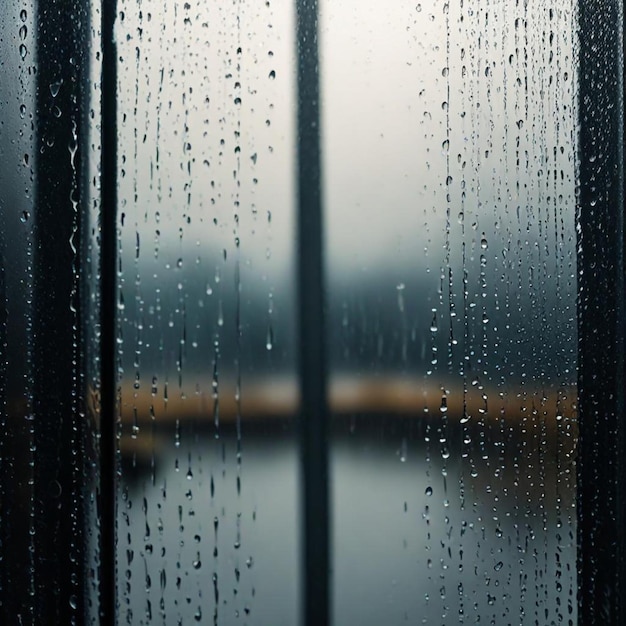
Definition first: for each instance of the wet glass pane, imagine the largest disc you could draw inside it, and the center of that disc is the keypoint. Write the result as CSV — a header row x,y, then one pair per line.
x,y
47,463
207,510
449,146
17,153
45,475
91,276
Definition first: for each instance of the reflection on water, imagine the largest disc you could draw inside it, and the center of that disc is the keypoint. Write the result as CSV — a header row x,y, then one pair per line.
x,y
216,549
435,522
441,532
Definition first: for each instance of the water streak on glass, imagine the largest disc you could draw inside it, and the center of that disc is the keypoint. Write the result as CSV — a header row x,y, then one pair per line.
x,y
45,486
17,151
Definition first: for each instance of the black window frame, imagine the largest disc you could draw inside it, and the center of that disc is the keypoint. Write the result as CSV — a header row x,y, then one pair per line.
x,y
601,316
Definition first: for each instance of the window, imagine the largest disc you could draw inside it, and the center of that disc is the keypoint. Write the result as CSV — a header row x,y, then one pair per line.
x,y
321,328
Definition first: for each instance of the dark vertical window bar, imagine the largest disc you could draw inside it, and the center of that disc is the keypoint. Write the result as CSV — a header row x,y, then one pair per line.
x,y
601,451
62,39
16,245
311,297
108,314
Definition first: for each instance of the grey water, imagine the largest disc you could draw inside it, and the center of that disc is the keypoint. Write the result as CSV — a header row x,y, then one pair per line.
x,y
433,523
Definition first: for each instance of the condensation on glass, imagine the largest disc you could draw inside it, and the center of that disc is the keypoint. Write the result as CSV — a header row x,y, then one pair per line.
x,y
17,152
207,509
449,147
91,252
46,473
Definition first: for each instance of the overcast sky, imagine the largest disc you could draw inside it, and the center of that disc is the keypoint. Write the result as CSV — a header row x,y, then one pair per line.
x,y
393,92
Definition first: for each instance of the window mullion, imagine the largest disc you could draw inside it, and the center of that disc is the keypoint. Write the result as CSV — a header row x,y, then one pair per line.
x,y
312,353
602,446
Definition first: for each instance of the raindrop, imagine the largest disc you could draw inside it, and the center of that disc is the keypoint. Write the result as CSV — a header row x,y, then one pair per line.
x,y
55,87
55,489
443,407
400,290
433,323
403,450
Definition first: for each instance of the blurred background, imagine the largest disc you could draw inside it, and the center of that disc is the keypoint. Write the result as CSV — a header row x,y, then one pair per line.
x,y
449,158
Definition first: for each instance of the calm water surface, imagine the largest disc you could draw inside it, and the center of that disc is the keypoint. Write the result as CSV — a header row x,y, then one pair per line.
x,y
428,527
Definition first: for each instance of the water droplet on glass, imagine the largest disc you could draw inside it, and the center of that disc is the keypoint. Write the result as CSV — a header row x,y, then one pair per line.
x,y
55,87
403,450
433,323
269,341
443,407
